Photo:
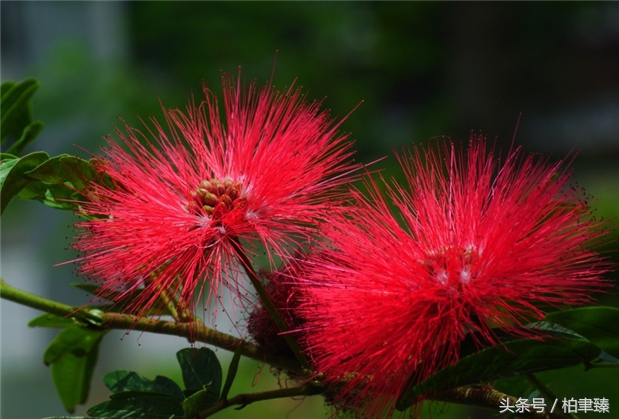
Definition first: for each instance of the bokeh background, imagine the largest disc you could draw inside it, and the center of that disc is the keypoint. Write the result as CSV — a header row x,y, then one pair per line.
x,y
421,69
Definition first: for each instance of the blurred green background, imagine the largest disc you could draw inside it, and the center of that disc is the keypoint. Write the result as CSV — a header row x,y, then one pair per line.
x,y
421,69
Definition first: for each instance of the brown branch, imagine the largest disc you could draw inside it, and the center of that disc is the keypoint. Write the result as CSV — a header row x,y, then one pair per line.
x,y
244,399
489,398
479,396
193,331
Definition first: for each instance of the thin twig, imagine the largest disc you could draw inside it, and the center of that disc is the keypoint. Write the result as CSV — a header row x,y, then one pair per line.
x,y
244,399
480,396
232,370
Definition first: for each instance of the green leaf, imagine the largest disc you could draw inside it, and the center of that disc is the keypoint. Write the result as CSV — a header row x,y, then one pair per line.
x,y
49,172
135,396
73,355
72,340
15,107
55,181
54,196
77,171
34,190
138,405
87,318
64,168
51,320
12,175
7,156
200,400
6,85
119,381
519,356
600,325
30,133
200,367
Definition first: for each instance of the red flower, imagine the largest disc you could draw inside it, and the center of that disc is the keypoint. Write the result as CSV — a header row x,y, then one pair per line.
x,y
266,172
471,243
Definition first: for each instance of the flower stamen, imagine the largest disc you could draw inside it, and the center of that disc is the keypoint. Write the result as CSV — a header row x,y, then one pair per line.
x,y
215,198
452,266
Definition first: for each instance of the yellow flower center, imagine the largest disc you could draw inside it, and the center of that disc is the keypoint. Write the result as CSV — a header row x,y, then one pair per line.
x,y
215,198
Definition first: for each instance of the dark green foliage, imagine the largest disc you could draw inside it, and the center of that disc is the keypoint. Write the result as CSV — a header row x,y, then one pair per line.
x,y
202,377
13,178
119,381
55,181
598,324
513,357
72,356
135,396
16,110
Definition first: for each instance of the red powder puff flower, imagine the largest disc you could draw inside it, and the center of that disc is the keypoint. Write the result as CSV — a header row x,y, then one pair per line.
x,y
471,243
170,217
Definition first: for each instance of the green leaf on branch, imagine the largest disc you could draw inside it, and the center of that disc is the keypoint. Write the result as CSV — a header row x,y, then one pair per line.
x,y
16,110
56,181
72,356
200,400
135,396
119,381
13,175
600,325
91,317
138,405
64,168
30,133
202,376
200,367
520,356
7,156
51,320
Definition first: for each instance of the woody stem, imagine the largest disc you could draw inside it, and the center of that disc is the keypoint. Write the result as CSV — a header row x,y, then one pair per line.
x,y
170,300
107,321
245,399
269,305
470,395
489,398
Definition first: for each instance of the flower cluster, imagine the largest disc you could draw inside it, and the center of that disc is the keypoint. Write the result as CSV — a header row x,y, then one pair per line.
x,y
465,245
394,282
177,205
